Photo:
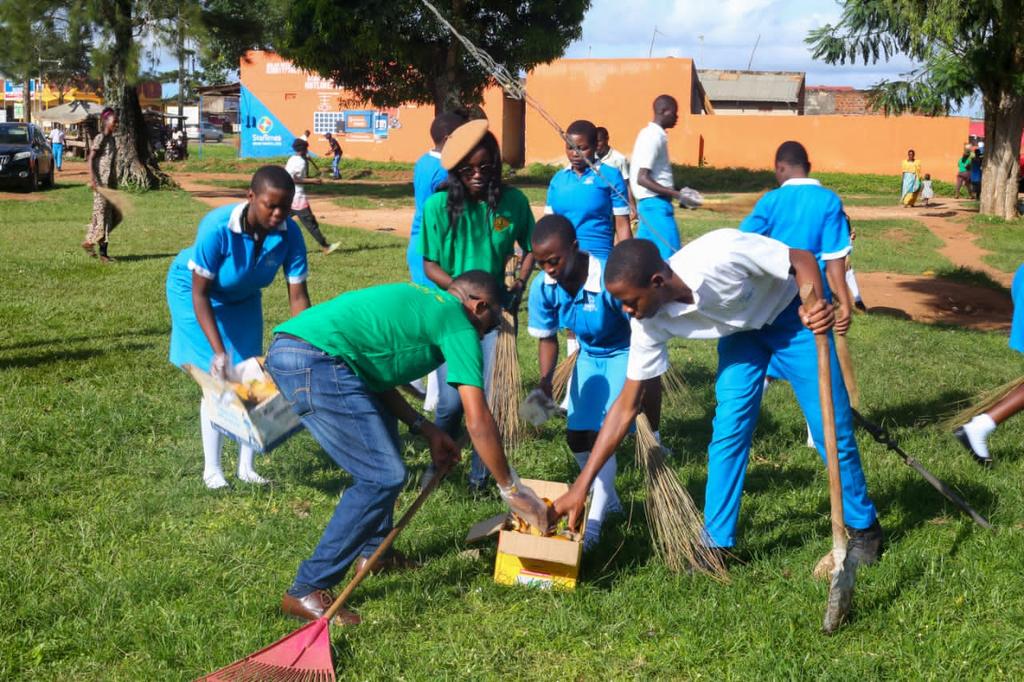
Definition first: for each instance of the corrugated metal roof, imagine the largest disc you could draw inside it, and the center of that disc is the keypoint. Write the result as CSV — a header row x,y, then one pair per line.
x,y
751,86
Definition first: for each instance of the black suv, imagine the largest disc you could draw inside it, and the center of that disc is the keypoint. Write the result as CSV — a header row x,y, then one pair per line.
x,y
25,156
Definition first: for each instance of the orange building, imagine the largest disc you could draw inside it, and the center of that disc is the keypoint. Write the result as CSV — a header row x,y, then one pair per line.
x,y
279,102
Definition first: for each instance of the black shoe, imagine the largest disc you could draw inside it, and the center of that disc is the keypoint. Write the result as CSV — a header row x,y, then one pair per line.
x,y
859,305
866,546
961,436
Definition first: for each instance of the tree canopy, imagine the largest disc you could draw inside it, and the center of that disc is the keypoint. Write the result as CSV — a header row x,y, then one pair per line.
x,y
963,47
394,52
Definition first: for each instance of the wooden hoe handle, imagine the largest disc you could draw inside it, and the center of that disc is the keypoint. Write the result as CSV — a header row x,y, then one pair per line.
x,y
828,422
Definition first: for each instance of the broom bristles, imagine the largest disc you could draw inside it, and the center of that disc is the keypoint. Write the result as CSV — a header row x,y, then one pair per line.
x,y
675,387
676,525
562,377
506,388
983,402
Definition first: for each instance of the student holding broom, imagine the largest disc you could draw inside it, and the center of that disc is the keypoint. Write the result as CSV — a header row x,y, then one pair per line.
x,y
474,223
741,289
298,167
214,292
571,295
339,364
975,433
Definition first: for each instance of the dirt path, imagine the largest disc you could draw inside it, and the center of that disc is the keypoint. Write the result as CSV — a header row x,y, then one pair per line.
x,y
943,219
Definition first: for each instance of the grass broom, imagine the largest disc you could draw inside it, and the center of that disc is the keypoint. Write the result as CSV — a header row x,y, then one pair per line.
x,y
562,376
305,654
505,391
675,523
981,403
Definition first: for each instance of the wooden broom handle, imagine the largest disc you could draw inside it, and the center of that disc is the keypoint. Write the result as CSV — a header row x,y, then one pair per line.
x,y
828,422
385,545
846,365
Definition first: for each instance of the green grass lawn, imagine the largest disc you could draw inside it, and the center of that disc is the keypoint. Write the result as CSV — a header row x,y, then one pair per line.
x,y
119,565
1002,238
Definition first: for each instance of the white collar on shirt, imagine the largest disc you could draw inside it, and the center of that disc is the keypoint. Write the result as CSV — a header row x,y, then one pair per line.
x,y
801,181
593,281
235,220
435,154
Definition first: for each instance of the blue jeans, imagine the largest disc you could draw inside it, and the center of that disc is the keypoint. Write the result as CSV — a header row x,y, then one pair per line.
x,y
743,359
448,415
355,429
336,167
58,155
658,224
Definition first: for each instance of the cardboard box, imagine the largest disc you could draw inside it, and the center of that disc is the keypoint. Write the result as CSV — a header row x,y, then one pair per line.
x,y
263,426
530,560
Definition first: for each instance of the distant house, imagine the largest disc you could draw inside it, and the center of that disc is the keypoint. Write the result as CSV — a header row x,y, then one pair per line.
x,y
837,99
754,92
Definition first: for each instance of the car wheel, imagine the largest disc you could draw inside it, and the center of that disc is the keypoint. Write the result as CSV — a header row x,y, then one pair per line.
x,y
48,183
32,184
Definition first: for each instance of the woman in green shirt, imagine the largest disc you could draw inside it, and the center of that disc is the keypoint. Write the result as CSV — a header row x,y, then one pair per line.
x,y
474,222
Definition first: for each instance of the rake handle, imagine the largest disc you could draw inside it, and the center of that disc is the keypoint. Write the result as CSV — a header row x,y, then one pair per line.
x,y
828,422
385,545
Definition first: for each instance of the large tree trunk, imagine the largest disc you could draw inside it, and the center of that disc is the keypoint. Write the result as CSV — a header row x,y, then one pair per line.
x,y
135,166
1004,122
447,96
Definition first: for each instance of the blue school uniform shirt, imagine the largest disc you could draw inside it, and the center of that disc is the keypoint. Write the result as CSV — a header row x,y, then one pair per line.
x,y
589,202
427,176
803,215
226,255
594,315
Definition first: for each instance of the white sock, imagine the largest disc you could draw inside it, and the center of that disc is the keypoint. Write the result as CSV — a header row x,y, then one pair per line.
x,y
851,284
810,436
978,430
246,472
213,476
603,496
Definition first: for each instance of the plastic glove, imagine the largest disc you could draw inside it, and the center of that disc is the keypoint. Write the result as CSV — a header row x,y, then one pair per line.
x,y
219,366
690,198
523,501
537,407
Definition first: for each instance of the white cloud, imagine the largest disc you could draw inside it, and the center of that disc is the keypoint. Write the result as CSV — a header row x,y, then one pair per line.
x,y
722,34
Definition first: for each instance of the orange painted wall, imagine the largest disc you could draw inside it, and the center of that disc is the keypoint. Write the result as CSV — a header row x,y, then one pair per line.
x,y
847,144
293,96
614,93
618,93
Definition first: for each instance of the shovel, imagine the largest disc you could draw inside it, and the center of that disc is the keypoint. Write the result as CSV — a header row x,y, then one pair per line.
x,y
840,591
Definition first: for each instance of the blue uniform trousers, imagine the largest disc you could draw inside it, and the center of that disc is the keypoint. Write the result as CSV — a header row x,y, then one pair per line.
x,y
658,224
743,359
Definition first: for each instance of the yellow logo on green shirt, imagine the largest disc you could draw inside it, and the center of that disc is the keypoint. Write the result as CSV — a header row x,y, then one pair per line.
x,y
500,223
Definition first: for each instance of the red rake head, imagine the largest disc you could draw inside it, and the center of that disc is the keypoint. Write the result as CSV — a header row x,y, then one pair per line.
x,y
302,656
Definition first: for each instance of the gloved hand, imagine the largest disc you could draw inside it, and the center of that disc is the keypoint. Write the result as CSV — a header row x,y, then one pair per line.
x,y
537,407
219,366
690,198
523,501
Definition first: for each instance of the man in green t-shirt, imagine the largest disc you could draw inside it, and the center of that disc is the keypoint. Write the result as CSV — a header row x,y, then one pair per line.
x,y
475,224
339,364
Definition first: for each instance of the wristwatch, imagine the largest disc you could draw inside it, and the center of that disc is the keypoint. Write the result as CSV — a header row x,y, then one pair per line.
x,y
417,425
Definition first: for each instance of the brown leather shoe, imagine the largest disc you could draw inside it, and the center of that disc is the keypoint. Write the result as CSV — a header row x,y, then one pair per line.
x,y
314,605
392,561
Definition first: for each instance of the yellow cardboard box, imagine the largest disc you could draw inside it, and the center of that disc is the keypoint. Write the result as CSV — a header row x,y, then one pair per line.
x,y
262,427
530,560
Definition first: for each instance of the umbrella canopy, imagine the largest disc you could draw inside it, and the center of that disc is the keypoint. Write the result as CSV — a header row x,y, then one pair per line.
x,y
70,113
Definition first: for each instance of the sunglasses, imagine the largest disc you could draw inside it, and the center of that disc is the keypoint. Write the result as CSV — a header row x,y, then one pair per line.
x,y
484,169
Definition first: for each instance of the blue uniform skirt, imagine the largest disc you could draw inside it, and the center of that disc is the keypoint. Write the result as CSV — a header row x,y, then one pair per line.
x,y
240,323
596,383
